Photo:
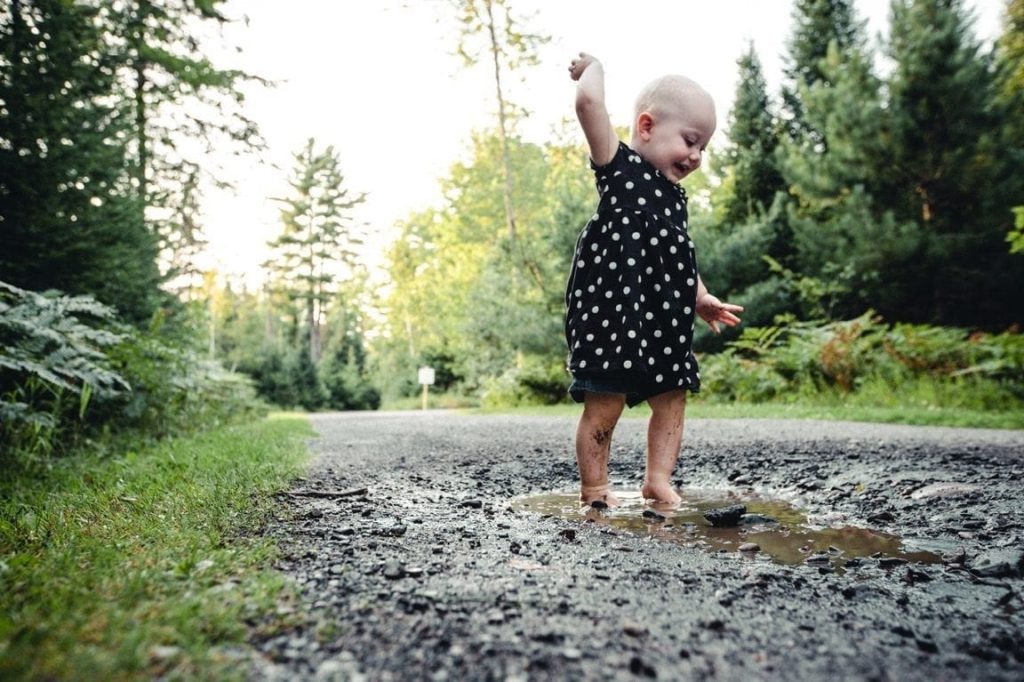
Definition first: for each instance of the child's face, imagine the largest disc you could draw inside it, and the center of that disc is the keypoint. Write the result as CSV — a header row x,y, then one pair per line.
x,y
674,141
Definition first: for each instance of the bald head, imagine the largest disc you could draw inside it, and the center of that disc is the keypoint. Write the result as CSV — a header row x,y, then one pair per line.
x,y
673,95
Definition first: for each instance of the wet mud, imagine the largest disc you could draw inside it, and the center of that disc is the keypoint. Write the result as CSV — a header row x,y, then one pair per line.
x,y
446,547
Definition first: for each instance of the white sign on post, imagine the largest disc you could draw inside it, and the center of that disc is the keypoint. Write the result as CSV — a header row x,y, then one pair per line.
x,y
426,376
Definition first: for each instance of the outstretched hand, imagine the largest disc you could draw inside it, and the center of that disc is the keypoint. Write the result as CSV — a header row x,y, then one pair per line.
x,y
714,312
579,65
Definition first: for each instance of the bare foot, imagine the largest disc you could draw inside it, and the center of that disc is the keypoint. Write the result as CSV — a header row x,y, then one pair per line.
x,y
599,494
663,493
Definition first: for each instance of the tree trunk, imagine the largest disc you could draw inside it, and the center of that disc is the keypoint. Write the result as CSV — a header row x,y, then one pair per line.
x,y
510,219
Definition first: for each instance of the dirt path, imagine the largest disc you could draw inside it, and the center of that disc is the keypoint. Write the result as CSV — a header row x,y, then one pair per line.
x,y
430,574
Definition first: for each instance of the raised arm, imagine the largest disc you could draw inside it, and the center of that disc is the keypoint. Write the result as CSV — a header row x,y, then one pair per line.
x,y
591,109
713,311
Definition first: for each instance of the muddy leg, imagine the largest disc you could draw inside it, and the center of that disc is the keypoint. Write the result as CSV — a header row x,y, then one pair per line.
x,y
601,412
664,435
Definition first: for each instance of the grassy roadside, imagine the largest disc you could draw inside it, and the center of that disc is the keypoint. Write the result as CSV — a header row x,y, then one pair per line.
x,y
699,409
142,565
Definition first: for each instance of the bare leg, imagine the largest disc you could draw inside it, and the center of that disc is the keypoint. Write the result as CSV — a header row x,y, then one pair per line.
x,y
664,435
601,412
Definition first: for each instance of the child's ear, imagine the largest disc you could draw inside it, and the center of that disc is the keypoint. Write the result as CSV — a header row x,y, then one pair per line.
x,y
644,125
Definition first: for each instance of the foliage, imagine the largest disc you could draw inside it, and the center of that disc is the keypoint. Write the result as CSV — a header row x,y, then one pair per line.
x,y
70,373
109,560
71,220
793,360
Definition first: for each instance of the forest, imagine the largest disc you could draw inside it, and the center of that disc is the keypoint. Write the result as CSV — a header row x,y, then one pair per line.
x,y
869,216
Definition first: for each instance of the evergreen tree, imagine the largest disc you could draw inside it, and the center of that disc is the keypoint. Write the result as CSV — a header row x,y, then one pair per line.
x,y
753,138
1010,108
68,215
817,24
941,166
318,244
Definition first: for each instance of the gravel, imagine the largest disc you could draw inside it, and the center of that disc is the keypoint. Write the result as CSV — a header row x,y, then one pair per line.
x,y
429,573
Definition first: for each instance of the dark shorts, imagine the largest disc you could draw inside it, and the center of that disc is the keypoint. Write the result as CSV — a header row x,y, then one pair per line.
x,y
635,389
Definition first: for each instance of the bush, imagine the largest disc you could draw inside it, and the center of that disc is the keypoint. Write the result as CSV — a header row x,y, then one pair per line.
x,y
536,380
864,356
71,373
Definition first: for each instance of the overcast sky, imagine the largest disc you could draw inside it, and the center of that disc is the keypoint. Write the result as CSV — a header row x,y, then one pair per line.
x,y
379,81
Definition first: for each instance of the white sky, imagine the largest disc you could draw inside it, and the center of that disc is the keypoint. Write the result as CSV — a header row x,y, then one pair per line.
x,y
378,80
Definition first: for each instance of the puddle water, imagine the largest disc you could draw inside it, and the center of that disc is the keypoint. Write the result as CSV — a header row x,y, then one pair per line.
x,y
781,531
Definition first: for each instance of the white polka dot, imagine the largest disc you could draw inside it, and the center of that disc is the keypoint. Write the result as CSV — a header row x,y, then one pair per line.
x,y
613,337
627,364
659,378
671,249
618,349
668,212
599,351
687,365
625,291
583,363
682,338
676,294
687,310
579,263
679,207
665,305
584,316
675,322
668,350
657,333
630,262
650,361
605,365
629,184
643,343
594,309
597,259
649,270
635,235
641,201
654,241
615,236
590,337
675,367
657,192
614,200
608,294
631,334
578,292
604,323
649,315
593,247
647,176
612,266
625,220
690,282
591,288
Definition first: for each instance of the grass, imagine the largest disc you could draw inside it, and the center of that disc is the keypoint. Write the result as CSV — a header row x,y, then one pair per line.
x,y
920,415
144,565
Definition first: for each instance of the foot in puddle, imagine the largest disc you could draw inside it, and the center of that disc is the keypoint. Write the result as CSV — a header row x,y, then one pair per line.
x,y
661,494
598,496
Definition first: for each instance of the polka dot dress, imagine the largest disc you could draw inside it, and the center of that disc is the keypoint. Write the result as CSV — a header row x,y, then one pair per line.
x,y
633,286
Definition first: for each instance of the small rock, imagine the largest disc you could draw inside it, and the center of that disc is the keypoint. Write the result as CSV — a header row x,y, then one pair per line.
x,y
944,489
393,570
571,654
472,504
162,653
568,534
891,562
1000,563
652,515
881,517
634,629
725,516
818,559
750,547
638,666
598,504
756,519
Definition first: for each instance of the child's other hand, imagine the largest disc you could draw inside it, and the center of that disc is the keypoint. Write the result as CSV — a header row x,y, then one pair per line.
x,y
578,66
713,311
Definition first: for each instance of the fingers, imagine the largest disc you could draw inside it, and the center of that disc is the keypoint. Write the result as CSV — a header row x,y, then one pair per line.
x,y
579,65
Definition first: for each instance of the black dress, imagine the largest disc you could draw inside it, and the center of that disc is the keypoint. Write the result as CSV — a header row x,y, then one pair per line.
x,y
632,290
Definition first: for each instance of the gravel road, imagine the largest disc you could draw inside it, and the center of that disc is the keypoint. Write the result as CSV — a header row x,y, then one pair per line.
x,y
418,557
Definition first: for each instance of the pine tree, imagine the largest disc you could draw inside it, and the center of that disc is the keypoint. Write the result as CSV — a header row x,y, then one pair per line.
x,y
1010,108
817,24
318,244
68,215
753,138
941,166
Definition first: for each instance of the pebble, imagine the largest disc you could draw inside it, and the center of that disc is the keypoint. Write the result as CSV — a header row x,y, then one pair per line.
x,y
725,516
393,570
750,547
651,515
1000,563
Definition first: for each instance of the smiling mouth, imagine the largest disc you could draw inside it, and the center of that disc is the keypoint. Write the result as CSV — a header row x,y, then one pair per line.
x,y
682,169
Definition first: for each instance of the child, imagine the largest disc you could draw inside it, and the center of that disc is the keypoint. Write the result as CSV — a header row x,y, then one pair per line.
x,y
634,287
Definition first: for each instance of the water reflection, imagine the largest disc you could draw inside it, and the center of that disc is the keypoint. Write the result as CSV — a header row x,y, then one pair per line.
x,y
781,532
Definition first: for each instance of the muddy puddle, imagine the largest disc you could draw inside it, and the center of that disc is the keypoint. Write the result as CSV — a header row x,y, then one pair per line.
x,y
781,532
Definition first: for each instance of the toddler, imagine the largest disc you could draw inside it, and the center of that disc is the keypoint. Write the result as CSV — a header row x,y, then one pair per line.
x,y
634,288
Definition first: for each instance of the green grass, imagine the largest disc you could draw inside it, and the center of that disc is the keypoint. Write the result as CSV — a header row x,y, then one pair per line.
x,y
921,415
144,565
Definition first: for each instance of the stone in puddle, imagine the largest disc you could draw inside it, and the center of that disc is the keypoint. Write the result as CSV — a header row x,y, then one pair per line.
x,y
651,515
750,547
756,519
725,516
599,504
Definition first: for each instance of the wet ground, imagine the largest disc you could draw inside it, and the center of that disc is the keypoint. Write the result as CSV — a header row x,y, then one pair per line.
x,y
439,546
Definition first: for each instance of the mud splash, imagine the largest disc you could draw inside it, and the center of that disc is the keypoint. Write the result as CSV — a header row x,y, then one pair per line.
x,y
780,532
